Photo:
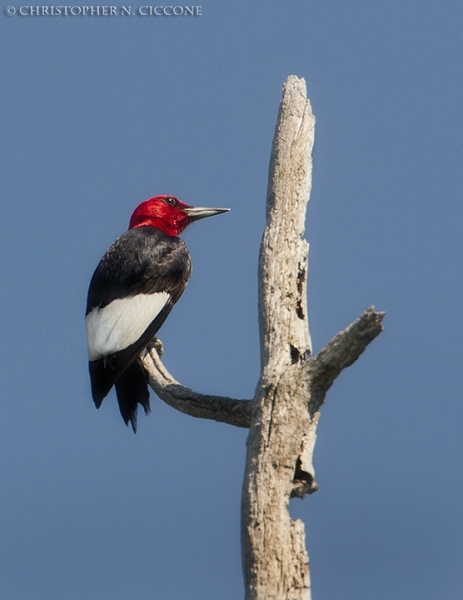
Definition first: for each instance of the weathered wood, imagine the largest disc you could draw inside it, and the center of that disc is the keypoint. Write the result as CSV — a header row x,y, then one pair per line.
x,y
283,323
217,408
292,387
283,415
275,560
344,349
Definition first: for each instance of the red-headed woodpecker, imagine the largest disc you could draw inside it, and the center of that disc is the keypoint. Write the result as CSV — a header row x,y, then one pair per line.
x,y
135,286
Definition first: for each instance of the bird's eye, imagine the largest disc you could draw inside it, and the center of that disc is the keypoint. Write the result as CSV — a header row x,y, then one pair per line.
x,y
170,201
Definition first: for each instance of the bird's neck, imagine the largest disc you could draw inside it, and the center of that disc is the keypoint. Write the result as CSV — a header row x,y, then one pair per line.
x,y
172,228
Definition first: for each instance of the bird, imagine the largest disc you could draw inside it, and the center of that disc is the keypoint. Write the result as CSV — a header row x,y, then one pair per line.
x,y
131,293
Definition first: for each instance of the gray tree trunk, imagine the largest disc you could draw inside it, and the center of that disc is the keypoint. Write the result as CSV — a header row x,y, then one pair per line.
x,y
283,415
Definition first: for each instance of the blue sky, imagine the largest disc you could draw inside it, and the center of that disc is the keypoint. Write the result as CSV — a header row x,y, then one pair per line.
x,y
100,113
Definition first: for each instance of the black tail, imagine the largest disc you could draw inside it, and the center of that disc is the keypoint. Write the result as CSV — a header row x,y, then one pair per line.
x,y
132,390
102,380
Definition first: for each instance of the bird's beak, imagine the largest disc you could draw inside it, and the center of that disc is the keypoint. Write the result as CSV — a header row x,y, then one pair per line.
x,y
199,212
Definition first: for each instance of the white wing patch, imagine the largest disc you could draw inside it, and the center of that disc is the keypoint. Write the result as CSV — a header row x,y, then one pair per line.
x,y
121,323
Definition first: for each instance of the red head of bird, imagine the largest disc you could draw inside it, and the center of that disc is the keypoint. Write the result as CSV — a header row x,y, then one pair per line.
x,y
169,214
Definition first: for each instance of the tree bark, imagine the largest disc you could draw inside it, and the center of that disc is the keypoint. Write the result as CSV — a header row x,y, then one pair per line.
x,y
275,560
283,414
